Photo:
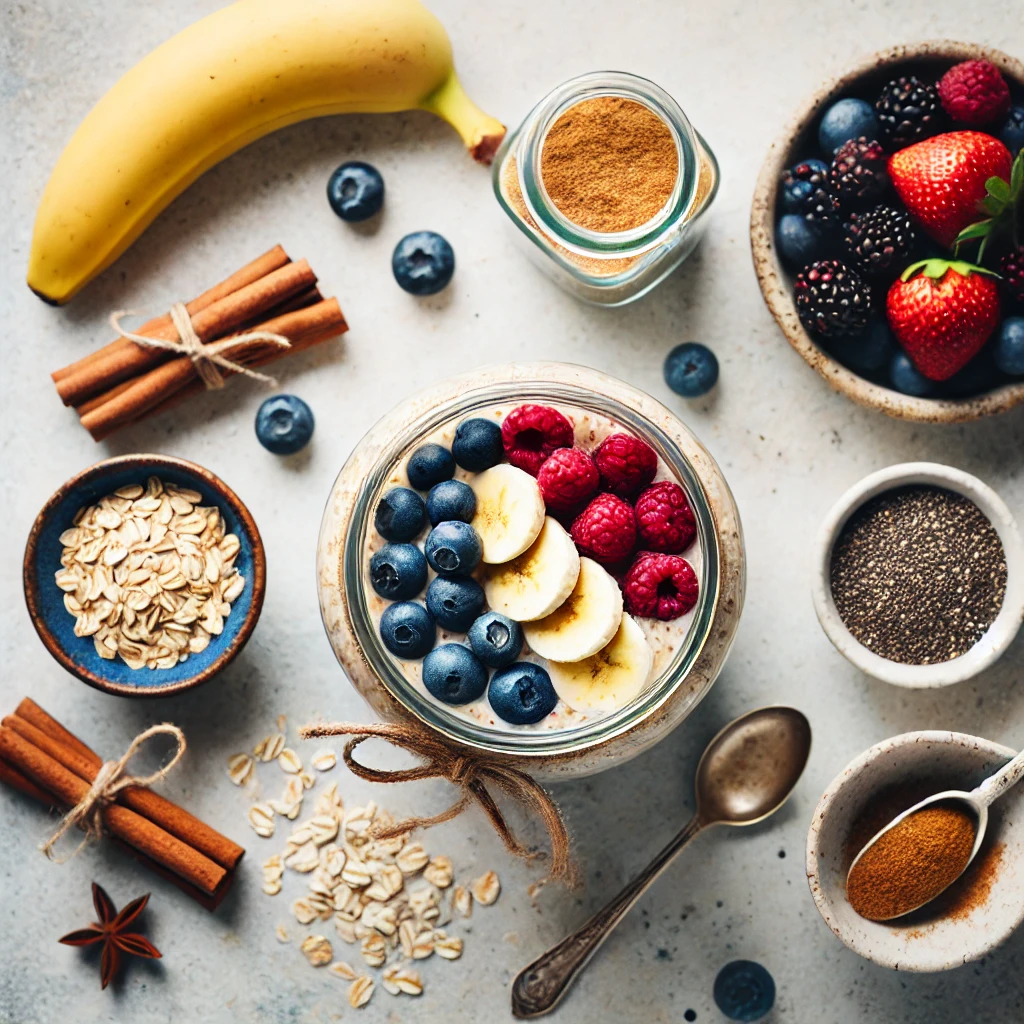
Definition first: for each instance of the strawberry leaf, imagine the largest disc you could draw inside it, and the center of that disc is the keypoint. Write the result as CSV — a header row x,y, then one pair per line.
x,y
1017,177
936,268
991,205
998,189
979,230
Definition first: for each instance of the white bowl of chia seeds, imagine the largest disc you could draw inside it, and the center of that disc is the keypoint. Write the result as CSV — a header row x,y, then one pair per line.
x,y
919,577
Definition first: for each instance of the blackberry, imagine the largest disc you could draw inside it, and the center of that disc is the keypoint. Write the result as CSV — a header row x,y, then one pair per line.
x,y
832,300
908,111
806,191
858,172
880,240
1011,266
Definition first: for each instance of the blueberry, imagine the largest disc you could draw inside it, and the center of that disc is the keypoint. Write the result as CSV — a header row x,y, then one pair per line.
x,y
796,188
1010,346
1012,132
398,571
522,693
454,674
798,239
867,352
691,369
453,549
845,120
429,465
407,629
400,514
284,424
744,990
455,602
496,639
423,263
477,445
905,377
451,499
355,191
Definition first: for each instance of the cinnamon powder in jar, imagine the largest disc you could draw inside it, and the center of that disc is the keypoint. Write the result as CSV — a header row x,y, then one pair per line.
x,y
609,164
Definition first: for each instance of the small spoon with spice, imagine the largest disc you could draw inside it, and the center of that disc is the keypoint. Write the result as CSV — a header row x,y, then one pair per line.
x,y
745,774
924,850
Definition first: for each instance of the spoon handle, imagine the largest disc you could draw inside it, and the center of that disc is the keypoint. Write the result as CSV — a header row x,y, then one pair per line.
x,y
539,986
996,785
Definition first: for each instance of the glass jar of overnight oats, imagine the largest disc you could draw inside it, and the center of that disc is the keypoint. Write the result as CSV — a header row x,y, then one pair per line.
x,y
607,184
577,736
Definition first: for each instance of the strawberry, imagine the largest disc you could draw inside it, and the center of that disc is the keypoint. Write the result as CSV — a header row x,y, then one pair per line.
x,y
942,179
943,315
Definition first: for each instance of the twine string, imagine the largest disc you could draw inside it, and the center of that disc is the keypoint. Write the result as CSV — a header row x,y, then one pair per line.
x,y
470,773
208,360
109,781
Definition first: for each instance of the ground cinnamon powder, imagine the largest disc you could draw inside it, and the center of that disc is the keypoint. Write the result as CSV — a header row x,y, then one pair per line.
x,y
912,862
609,164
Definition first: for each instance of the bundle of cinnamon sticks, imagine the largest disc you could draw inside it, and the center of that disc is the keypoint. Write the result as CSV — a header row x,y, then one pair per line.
x,y
124,382
42,759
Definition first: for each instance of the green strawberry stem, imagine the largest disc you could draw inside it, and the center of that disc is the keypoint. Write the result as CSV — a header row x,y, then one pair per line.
x,y
936,268
1004,207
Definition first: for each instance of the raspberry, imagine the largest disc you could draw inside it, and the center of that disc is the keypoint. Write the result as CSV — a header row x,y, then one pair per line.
x,y
660,587
626,464
664,519
605,530
531,433
974,92
567,479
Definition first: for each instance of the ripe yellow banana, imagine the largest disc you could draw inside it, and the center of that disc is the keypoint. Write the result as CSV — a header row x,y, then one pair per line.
x,y
222,83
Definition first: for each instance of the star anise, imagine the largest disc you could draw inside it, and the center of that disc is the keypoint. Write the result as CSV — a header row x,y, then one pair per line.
x,y
112,931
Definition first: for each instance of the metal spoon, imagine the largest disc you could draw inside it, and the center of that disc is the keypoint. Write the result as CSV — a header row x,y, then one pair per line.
x,y
745,774
977,801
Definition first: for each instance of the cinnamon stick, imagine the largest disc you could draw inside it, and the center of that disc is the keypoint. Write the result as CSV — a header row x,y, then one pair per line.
x,y
124,359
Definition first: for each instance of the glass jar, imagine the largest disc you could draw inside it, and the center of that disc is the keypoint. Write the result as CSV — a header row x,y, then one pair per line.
x,y
605,268
592,745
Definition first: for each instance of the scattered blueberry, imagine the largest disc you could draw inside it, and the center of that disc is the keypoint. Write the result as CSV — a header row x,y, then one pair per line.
x,y
454,674
1009,352
522,693
400,514
867,352
1012,132
284,424
429,465
496,639
744,990
477,445
407,629
356,191
423,263
455,602
798,239
453,549
691,369
906,377
845,120
398,571
796,188
451,499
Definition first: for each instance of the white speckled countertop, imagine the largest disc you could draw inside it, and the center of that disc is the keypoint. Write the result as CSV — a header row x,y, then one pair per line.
x,y
788,445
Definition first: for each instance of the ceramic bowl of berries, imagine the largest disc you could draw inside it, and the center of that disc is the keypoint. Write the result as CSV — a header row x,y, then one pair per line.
x,y
977,912
886,231
535,561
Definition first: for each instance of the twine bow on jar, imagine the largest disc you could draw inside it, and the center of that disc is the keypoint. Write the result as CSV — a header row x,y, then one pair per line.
x,y
468,771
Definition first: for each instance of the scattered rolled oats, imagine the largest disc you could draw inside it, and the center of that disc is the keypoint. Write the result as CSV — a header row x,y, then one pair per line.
x,y
324,761
305,859
261,817
408,981
374,950
439,872
423,945
462,901
412,858
317,950
324,828
486,888
289,761
240,768
282,933
304,911
346,931
360,991
308,779
447,946
343,970
269,749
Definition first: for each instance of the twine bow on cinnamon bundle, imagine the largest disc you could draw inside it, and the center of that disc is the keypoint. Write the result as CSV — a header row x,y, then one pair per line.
x,y
471,773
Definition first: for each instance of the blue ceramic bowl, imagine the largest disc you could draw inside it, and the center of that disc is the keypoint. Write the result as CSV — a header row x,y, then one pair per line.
x,y
45,600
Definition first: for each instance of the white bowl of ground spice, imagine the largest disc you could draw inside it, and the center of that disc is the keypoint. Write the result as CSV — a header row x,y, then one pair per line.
x,y
975,914
919,575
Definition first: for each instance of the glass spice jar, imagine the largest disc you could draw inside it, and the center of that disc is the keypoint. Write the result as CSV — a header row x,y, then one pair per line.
x,y
605,268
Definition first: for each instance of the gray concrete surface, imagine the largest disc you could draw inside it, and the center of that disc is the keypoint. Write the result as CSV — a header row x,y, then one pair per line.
x,y
788,445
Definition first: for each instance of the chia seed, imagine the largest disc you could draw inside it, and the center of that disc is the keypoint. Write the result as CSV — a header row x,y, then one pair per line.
x,y
918,575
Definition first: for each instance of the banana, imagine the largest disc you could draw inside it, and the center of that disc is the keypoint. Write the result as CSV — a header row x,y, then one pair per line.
x,y
222,83
539,580
585,623
610,679
509,512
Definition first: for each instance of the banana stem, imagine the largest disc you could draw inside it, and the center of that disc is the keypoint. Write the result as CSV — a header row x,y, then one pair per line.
x,y
481,133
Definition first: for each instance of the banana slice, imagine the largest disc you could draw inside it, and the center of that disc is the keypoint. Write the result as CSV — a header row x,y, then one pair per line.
x,y
509,512
610,679
585,623
539,580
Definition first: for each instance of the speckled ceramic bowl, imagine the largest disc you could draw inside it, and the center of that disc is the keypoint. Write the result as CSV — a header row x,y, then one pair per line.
x,y
939,937
55,625
929,61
